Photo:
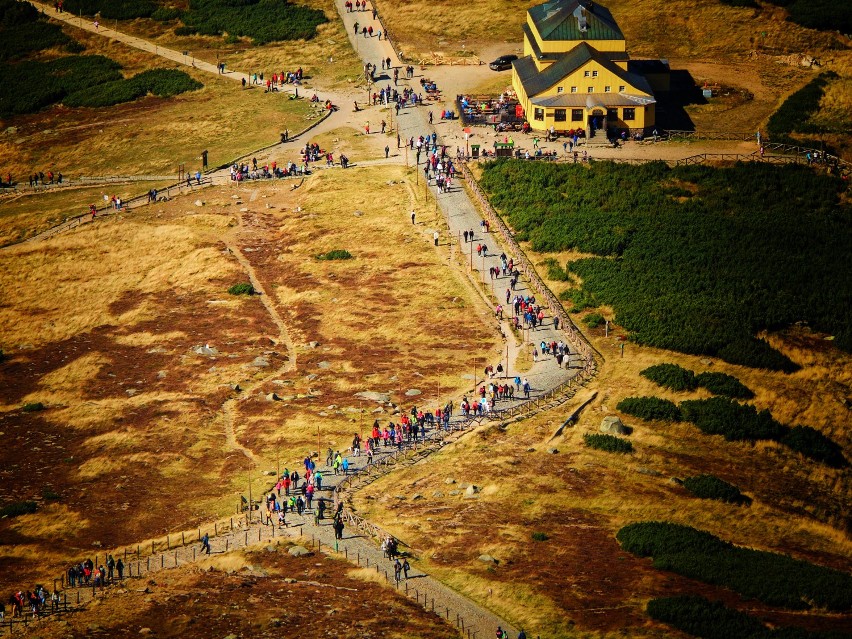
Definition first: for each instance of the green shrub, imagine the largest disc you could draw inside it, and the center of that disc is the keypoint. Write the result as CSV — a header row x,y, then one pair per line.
x,y
540,536
593,320
33,407
713,620
650,408
579,298
776,580
166,14
261,20
812,443
49,494
160,82
609,443
671,376
18,508
722,416
111,9
242,289
336,254
819,14
711,487
771,232
555,271
723,384
23,30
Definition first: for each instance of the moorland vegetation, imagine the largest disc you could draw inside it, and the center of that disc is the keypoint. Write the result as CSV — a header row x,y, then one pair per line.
x,y
813,14
776,580
74,80
695,258
678,378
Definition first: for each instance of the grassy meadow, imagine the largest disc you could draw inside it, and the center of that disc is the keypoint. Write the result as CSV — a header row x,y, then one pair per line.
x,y
101,325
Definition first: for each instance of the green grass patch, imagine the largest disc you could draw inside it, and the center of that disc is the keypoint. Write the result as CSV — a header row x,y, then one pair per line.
x,y
18,508
32,407
771,234
261,20
608,443
244,288
711,487
336,254
776,580
650,408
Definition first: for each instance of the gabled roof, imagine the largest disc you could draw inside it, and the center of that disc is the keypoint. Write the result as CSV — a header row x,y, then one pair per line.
x,y
565,19
535,82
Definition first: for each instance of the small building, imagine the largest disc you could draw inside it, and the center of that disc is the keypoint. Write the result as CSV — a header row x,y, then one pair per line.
x,y
576,73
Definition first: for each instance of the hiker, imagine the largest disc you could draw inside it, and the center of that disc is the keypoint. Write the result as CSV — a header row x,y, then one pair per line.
x,y
205,543
397,570
405,568
119,567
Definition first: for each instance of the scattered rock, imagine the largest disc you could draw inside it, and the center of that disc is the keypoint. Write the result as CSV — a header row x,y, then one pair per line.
x,y
437,493
269,473
612,424
358,213
271,548
553,451
417,496
331,407
289,580
311,377
260,362
412,392
131,391
488,559
471,492
244,210
676,481
236,387
161,374
273,397
313,344
378,410
207,350
199,203
449,480
707,362
530,450
299,551
145,631
374,396
455,492
324,364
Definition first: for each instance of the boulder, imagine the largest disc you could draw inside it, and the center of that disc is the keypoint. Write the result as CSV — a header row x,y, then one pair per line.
x,y
299,551
272,397
207,350
488,559
374,396
612,424
553,451
449,480
260,362
324,365
412,392
417,496
199,203
471,492
313,344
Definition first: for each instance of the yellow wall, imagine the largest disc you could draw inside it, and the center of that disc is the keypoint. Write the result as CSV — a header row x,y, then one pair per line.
x,y
606,78
644,118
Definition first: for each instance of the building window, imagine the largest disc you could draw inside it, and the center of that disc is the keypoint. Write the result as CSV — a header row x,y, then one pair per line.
x,y
612,115
576,115
607,89
629,114
594,74
586,74
559,115
539,114
559,89
621,88
591,89
573,89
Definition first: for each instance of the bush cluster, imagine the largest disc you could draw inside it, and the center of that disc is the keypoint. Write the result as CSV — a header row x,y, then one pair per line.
x,y
713,620
593,320
734,421
243,288
167,14
90,81
336,254
111,9
261,20
794,114
159,82
776,580
711,487
32,407
770,232
650,408
812,443
17,508
671,376
580,299
819,14
724,384
609,443
23,30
